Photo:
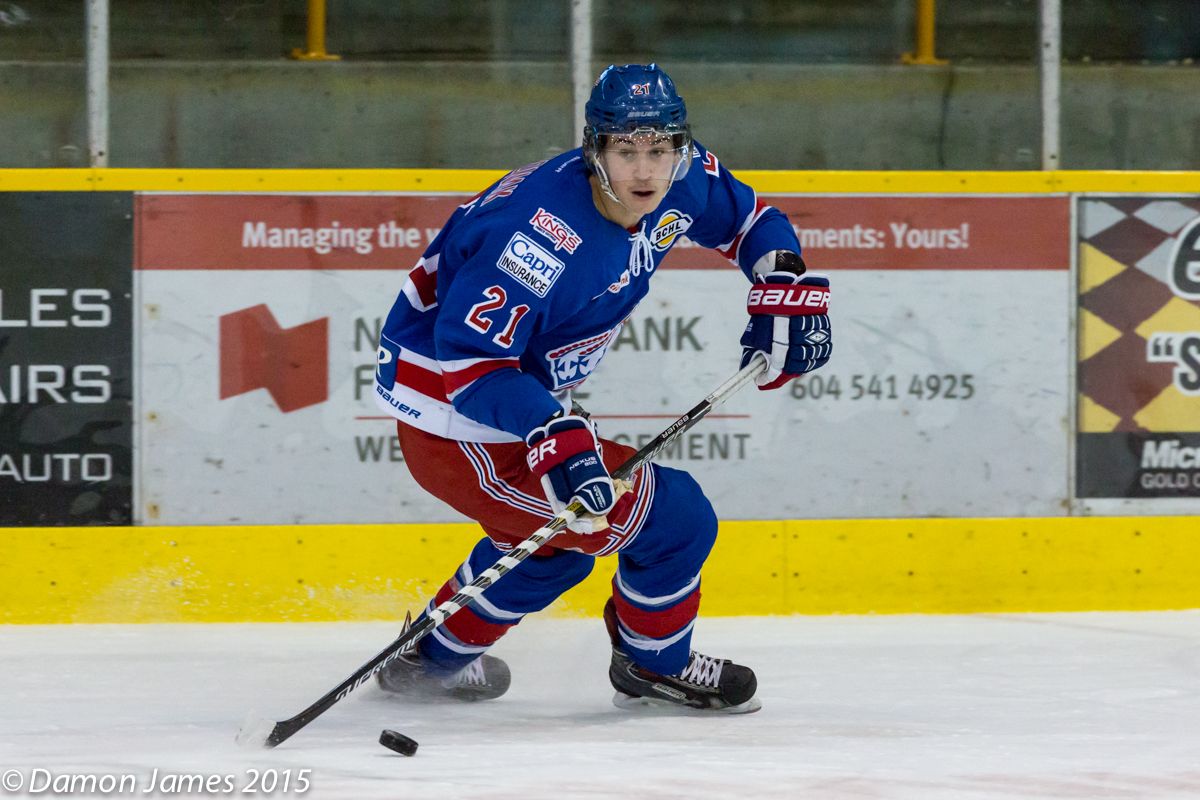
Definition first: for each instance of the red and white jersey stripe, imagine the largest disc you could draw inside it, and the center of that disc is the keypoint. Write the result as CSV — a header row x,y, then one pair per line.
x,y
421,286
731,248
419,397
459,374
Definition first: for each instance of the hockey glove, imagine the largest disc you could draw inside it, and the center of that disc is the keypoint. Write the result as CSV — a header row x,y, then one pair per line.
x,y
565,454
789,322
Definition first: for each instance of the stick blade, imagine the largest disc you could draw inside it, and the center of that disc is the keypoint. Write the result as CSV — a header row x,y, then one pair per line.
x,y
256,732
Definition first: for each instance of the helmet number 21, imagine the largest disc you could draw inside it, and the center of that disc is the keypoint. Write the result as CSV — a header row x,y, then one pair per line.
x,y
496,300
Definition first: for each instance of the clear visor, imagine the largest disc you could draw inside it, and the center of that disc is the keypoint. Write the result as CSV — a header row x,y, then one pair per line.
x,y
644,155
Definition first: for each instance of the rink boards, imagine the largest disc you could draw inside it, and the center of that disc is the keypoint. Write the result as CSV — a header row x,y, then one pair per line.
x,y
1013,353
316,573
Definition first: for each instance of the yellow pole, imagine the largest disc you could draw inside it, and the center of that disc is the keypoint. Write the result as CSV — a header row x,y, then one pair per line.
x,y
314,49
926,25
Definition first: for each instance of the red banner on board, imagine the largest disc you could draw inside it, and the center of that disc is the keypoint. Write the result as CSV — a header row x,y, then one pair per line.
x,y
365,232
301,231
888,232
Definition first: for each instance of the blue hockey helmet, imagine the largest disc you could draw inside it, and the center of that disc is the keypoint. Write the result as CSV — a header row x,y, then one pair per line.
x,y
635,99
634,96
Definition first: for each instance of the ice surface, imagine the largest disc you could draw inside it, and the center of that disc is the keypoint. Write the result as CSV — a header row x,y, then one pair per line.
x,y
930,707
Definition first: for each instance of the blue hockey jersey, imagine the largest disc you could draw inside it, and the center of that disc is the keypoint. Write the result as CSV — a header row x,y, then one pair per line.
x,y
519,297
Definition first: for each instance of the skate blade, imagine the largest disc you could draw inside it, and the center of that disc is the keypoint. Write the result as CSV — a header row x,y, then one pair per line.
x,y
630,703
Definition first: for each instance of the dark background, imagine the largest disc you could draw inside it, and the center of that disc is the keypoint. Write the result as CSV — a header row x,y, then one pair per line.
x,y
67,241
1110,465
765,31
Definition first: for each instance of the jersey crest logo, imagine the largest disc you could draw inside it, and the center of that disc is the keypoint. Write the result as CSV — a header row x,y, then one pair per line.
x,y
636,89
556,231
670,225
571,364
530,264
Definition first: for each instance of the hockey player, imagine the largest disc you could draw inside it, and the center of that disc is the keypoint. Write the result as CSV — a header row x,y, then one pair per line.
x,y
511,307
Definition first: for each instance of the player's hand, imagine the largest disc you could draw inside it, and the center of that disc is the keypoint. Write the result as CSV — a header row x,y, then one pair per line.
x,y
565,454
789,322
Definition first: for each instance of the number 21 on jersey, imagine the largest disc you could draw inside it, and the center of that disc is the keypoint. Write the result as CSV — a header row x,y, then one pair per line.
x,y
496,298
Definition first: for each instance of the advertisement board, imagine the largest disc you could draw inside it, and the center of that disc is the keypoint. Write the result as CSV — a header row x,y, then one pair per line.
x,y
66,376
1139,348
946,394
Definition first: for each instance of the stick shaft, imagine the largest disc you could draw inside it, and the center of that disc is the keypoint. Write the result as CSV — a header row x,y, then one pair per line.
x,y
285,729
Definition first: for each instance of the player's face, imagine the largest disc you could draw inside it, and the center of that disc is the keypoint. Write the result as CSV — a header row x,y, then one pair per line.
x,y
640,168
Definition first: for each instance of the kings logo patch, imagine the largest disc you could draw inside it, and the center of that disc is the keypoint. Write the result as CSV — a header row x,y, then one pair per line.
x,y
556,231
670,225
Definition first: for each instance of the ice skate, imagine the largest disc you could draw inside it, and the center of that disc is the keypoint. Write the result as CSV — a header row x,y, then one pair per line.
x,y
485,678
706,684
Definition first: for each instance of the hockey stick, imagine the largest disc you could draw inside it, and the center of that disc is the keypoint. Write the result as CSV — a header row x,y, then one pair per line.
x,y
257,732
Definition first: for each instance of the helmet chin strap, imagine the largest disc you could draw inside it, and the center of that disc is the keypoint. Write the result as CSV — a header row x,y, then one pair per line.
x,y
606,187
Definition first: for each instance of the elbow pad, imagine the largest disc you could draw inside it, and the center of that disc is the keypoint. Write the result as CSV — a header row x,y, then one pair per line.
x,y
779,261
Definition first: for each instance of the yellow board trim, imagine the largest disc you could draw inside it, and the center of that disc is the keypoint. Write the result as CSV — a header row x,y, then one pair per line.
x,y
372,572
469,181
313,573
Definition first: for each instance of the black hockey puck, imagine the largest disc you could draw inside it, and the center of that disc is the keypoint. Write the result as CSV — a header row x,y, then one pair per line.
x,y
398,742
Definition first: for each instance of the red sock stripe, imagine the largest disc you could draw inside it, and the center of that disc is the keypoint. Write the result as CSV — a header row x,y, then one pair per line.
x,y
448,590
659,623
467,626
470,628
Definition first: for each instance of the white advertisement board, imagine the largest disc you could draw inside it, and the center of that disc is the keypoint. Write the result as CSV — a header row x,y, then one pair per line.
x,y
947,394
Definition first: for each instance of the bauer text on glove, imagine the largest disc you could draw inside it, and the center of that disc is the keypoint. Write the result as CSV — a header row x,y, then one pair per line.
x,y
789,322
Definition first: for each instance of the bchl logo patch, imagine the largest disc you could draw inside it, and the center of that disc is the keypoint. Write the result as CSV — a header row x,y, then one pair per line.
x,y
571,364
670,225
556,231
530,263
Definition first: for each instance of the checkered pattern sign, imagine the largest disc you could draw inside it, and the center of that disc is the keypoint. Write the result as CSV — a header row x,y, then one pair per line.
x,y
1139,347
